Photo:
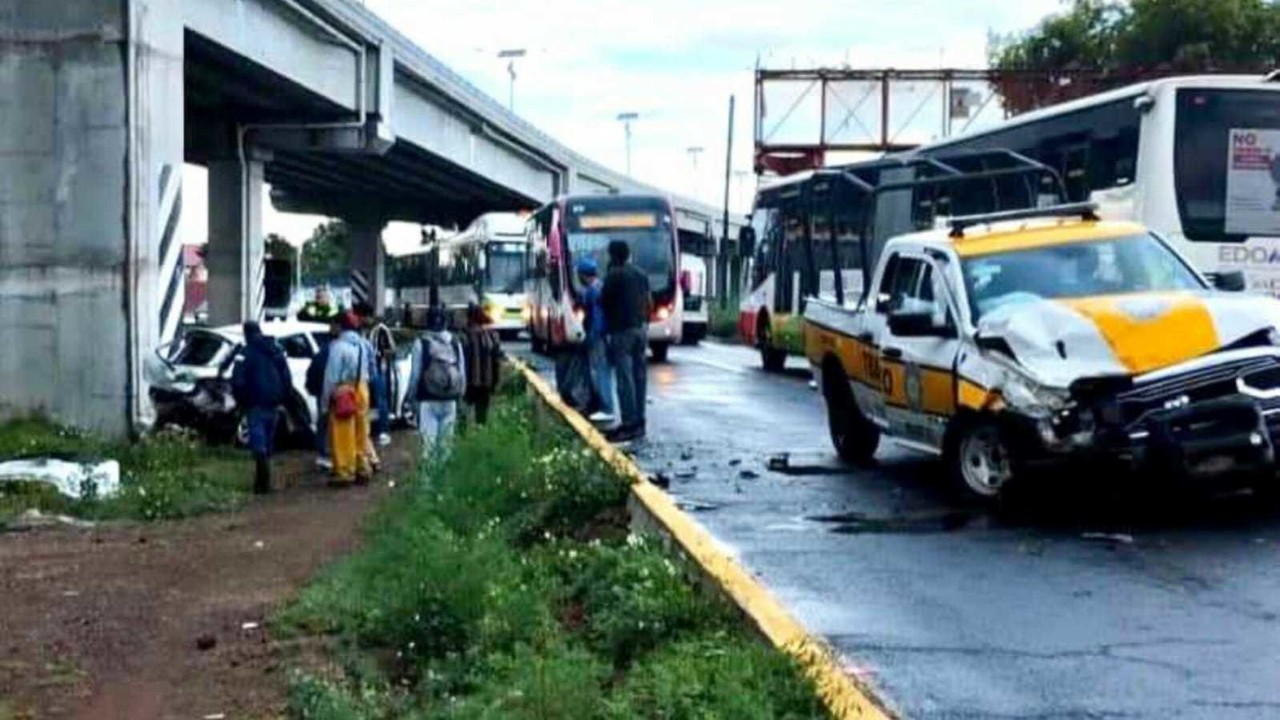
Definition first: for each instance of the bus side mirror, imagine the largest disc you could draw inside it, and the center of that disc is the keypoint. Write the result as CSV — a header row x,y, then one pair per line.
x,y
747,241
1229,281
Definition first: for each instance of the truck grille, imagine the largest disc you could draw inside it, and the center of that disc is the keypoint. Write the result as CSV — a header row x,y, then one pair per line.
x,y
1219,381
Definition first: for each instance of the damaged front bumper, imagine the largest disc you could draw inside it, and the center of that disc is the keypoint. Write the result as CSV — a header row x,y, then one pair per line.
x,y
1211,426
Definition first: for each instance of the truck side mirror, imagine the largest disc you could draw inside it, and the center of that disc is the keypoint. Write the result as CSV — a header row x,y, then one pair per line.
x,y
747,241
1229,281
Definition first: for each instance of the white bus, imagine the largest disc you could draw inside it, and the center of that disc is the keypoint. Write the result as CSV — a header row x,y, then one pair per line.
x,y
693,286
483,264
1196,159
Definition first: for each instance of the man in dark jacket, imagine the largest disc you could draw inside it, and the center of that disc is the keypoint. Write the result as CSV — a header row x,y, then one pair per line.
x,y
261,385
627,303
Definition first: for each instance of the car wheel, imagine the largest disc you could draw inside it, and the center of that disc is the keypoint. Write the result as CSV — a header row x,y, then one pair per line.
x,y
771,358
854,437
660,351
980,460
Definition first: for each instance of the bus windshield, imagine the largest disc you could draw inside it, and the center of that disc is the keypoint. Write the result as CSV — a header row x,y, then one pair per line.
x,y
646,230
1134,263
1225,170
505,269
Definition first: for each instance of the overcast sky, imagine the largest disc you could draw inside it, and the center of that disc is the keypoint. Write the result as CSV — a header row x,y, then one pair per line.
x,y
675,63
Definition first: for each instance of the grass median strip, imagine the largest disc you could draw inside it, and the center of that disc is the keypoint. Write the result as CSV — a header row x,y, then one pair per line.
x,y
167,476
503,583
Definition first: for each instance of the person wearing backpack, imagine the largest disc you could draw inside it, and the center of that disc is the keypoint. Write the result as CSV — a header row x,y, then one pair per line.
x,y
346,396
482,357
260,385
439,377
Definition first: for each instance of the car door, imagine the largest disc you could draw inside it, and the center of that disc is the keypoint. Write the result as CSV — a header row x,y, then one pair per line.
x,y
298,352
918,357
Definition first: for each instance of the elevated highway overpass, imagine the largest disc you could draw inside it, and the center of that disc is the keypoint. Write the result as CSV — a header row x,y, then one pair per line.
x,y
341,114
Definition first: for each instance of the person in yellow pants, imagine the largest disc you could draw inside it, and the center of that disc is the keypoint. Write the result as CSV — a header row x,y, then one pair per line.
x,y
349,368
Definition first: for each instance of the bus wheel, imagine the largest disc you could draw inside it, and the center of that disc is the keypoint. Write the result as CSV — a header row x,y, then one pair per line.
x,y
854,437
659,351
773,359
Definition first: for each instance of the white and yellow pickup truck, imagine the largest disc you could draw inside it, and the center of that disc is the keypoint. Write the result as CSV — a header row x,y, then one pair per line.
x,y
1019,338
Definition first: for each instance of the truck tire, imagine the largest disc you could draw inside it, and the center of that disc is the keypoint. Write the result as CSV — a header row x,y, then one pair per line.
x,y
659,351
979,459
772,359
854,437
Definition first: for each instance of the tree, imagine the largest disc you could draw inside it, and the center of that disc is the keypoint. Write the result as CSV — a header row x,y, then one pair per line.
x,y
278,247
1096,45
326,257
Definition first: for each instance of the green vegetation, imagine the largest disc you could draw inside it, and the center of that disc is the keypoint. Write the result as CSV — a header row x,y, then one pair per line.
x,y
790,335
168,476
502,583
1096,45
722,322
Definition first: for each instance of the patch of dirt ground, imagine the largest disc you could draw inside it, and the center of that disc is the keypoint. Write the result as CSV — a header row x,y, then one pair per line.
x,y
108,622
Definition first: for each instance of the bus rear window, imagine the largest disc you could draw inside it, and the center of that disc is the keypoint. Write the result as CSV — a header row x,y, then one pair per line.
x,y
1207,121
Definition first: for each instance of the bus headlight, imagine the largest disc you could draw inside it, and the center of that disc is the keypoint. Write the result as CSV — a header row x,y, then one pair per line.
x,y
662,313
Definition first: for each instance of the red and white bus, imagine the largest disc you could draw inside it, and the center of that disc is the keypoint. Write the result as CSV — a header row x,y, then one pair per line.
x,y
575,226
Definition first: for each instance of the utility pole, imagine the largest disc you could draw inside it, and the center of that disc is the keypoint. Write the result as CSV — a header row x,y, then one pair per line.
x,y
510,55
625,118
726,262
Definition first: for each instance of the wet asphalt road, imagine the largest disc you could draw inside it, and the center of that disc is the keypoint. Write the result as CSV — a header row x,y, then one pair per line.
x,y
955,611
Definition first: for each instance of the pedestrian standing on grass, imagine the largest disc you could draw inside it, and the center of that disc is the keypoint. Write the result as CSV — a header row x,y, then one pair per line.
x,y
597,354
260,385
482,358
315,388
346,396
627,303
439,380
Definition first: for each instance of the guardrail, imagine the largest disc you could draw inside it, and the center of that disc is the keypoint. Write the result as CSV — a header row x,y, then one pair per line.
x,y
846,697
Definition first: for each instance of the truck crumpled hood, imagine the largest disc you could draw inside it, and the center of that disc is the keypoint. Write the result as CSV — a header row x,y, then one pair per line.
x,y
1059,341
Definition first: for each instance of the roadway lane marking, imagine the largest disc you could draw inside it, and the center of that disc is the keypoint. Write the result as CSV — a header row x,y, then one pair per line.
x,y
711,363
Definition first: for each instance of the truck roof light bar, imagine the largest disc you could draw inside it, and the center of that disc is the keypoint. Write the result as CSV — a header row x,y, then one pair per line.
x,y
1082,210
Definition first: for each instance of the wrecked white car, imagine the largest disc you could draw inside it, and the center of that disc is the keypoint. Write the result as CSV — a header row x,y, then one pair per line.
x,y
191,381
1022,338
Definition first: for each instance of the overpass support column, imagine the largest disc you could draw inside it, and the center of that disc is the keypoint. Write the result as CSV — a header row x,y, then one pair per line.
x,y
236,246
91,151
368,263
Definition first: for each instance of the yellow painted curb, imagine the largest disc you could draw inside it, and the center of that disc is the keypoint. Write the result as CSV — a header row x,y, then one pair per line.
x,y
845,696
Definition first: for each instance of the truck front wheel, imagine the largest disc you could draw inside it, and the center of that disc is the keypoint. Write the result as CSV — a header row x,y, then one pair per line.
x,y
979,459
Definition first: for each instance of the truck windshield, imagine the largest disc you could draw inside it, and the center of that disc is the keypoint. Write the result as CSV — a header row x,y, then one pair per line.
x,y
1133,263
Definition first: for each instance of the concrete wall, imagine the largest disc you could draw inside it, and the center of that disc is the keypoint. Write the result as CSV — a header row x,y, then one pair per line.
x,y
90,117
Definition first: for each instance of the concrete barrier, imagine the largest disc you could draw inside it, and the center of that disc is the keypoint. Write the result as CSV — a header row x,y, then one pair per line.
x,y
650,507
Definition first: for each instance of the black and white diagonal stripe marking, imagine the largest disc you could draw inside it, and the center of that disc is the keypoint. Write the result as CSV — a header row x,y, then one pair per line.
x,y
169,255
359,287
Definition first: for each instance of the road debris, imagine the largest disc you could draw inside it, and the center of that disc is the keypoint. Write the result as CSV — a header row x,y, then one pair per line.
x,y
33,519
206,642
779,462
75,480
748,474
662,480
247,626
1119,538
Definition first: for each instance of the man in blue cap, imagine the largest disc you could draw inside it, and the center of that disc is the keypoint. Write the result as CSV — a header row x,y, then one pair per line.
x,y
597,357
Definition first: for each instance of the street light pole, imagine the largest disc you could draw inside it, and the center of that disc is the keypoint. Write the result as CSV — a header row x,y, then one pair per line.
x,y
626,118
510,55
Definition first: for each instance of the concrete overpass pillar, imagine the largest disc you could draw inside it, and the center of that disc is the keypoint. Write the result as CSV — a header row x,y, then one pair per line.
x,y
236,245
368,263
91,151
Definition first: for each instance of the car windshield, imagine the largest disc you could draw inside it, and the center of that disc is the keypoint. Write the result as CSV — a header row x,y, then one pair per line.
x,y
198,349
1134,263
